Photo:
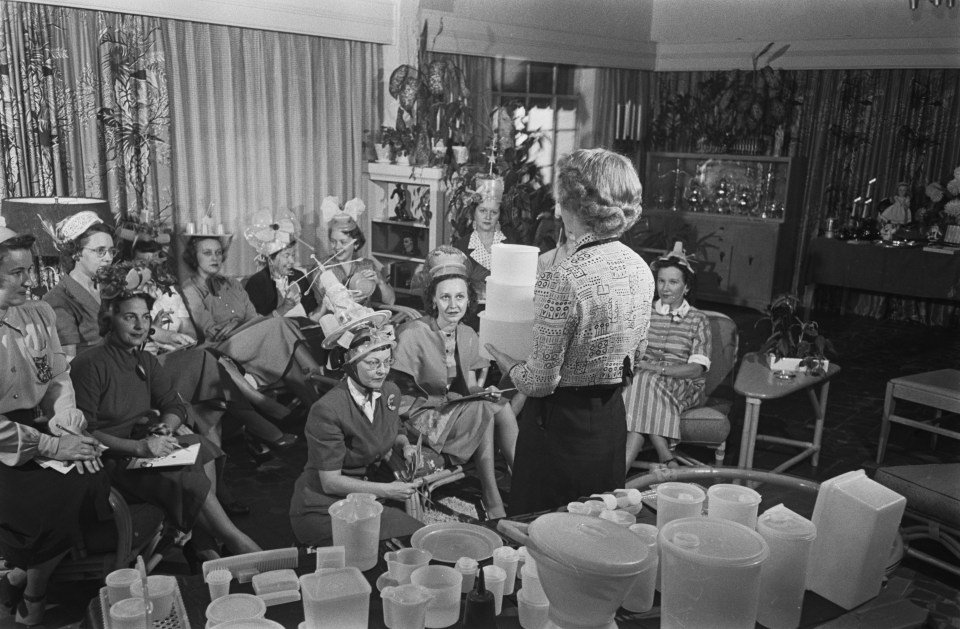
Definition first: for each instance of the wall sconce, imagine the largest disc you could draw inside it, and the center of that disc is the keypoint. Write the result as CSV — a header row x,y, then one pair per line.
x,y
628,122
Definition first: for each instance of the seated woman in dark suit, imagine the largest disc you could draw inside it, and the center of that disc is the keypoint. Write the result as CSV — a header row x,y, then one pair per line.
x,y
279,287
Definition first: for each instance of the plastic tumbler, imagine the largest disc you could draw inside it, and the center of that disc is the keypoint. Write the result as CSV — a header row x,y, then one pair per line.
x,y
530,580
783,576
495,578
468,567
402,563
356,526
218,581
444,583
640,596
118,584
161,589
532,614
507,558
405,606
678,500
129,613
733,502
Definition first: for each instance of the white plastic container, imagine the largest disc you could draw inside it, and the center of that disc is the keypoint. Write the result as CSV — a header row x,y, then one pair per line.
x,y
235,607
128,613
532,614
857,521
119,582
405,606
443,583
530,583
640,597
494,579
335,598
678,500
733,502
161,589
218,582
711,574
618,516
274,581
401,563
507,559
468,567
783,576
356,526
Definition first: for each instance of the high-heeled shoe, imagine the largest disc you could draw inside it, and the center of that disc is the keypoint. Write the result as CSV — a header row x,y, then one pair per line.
x,y
277,446
10,594
30,609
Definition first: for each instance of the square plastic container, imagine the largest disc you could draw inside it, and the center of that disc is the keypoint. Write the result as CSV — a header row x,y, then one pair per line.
x,y
336,598
276,581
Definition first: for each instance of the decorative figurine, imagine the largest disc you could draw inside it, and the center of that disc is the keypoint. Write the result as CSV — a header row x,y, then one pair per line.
x,y
403,202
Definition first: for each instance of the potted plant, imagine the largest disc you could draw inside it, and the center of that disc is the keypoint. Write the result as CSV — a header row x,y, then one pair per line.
x,y
794,345
387,138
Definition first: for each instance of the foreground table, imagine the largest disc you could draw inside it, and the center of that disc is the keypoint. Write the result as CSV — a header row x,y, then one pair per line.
x,y
757,382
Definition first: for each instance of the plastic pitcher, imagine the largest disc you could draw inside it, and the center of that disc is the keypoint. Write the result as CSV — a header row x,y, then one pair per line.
x,y
405,606
857,521
783,577
443,583
356,527
401,563
711,574
335,598
678,500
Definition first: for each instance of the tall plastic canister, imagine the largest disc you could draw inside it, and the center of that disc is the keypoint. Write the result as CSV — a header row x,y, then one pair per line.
x,y
857,521
784,574
356,526
710,571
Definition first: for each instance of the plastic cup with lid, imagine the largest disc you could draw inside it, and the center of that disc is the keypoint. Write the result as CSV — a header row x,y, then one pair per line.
x,y
129,613
532,614
495,579
468,567
783,576
733,502
161,588
711,573
405,606
678,500
640,596
443,583
235,607
530,582
507,559
119,582
218,582
401,563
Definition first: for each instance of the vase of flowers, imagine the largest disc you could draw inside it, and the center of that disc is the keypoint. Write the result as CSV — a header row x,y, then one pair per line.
x,y
794,346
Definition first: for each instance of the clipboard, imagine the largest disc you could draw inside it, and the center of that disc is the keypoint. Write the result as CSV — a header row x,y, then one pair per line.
x,y
177,458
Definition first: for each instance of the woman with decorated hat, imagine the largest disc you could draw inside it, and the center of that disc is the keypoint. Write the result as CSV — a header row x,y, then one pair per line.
x,y
354,427
270,348
345,240
437,358
671,376
86,246
278,287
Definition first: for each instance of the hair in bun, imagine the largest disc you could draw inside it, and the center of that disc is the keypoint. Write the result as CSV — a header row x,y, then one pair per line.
x,y
602,188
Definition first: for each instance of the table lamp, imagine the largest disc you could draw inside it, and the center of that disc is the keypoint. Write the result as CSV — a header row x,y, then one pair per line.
x,y
22,215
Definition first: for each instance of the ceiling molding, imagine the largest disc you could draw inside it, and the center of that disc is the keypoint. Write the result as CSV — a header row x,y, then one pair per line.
x,y
826,54
481,37
360,20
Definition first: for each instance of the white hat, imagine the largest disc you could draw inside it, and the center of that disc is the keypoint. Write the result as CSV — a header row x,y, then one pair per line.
x,y
268,234
347,316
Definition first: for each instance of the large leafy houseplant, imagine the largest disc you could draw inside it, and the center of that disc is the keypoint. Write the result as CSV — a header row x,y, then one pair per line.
x,y
791,337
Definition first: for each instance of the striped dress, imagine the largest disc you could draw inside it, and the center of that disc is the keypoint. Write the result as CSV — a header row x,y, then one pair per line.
x,y
654,402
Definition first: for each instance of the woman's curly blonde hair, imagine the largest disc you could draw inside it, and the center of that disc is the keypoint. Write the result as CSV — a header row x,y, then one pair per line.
x,y
602,188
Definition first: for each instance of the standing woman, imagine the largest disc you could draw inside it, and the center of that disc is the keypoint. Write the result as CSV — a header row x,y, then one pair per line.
x,y
86,246
41,510
670,378
593,310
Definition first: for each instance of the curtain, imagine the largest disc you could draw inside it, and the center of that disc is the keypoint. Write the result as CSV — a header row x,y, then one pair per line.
x,y
83,106
266,121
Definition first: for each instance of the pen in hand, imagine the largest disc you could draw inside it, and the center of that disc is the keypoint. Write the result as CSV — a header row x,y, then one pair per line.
x,y
73,432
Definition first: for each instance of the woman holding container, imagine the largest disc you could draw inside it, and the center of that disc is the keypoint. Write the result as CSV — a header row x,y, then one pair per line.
x,y
592,314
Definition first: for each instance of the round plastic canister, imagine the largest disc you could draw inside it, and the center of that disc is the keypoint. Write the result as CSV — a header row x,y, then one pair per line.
x,y
235,607
784,574
733,502
678,500
710,571
640,596
586,566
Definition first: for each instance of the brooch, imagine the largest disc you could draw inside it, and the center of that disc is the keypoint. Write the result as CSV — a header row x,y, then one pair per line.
x,y
392,402
44,373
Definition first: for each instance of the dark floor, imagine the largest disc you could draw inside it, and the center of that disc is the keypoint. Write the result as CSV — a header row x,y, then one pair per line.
x,y
870,352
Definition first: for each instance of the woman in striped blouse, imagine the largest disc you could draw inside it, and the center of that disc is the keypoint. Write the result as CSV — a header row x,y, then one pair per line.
x,y
670,378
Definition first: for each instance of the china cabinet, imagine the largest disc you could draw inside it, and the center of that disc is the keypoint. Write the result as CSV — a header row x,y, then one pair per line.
x,y
406,217
737,214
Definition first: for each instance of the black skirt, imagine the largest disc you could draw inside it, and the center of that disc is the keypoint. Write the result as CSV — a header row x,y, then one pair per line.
x,y
571,443
43,513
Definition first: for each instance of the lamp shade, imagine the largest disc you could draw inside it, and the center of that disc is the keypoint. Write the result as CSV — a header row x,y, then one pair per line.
x,y
22,215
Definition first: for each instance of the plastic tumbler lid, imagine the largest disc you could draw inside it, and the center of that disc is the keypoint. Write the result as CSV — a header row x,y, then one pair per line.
x,y
782,523
250,623
589,544
734,493
680,492
128,608
236,607
221,575
719,542
646,532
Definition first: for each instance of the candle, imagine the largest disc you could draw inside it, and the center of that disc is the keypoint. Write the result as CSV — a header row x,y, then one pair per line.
x,y
191,228
627,135
220,229
145,216
639,111
616,135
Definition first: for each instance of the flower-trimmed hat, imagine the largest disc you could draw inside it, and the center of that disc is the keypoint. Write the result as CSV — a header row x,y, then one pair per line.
x,y
347,317
490,189
446,260
70,228
127,277
269,235
369,339
677,255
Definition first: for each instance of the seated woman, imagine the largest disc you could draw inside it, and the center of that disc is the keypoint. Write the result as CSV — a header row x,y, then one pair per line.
x,y
350,431
278,287
42,511
356,273
117,386
86,246
270,348
435,361
670,377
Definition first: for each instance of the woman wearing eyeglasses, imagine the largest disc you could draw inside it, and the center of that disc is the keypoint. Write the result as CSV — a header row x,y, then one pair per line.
x,y
86,246
350,431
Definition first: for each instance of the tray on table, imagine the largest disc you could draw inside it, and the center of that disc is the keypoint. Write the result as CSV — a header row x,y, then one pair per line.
x,y
176,620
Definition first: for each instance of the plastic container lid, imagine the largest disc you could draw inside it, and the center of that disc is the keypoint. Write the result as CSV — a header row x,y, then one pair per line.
x,y
713,542
782,523
128,608
334,584
122,577
251,623
235,607
589,544
275,581
734,493
467,565
618,517
357,506
220,575
506,554
681,492
646,532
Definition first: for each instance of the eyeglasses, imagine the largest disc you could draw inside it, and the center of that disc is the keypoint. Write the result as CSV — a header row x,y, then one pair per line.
x,y
374,365
103,251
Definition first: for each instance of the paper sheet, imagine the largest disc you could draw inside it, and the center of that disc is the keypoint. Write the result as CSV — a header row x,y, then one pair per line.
x,y
184,456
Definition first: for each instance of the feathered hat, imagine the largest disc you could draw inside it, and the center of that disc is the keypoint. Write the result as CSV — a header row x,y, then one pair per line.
x,y
70,228
268,234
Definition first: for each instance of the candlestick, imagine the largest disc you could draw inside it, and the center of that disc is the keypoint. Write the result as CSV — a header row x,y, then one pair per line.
x,y
627,124
866,204
639,110
616,135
